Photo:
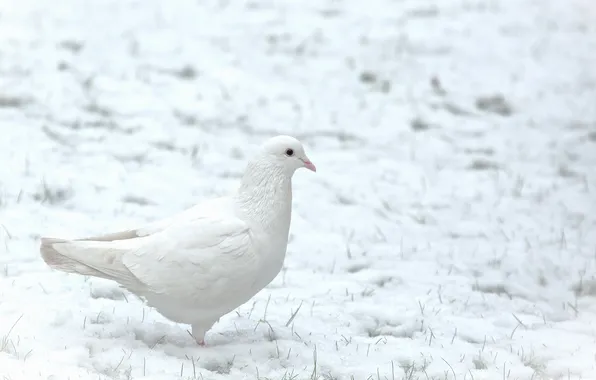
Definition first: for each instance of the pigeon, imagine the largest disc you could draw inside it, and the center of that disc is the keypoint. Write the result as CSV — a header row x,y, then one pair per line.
x,y
206,261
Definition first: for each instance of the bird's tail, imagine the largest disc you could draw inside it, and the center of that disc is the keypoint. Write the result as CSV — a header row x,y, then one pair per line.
x,y
82,257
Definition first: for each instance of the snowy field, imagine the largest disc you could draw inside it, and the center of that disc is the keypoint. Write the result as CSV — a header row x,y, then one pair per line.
x,y
450,232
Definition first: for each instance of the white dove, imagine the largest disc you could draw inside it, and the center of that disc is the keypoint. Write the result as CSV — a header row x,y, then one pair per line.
x,y
204,262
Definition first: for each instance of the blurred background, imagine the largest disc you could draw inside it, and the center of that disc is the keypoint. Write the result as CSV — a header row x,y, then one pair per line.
x,y
453,214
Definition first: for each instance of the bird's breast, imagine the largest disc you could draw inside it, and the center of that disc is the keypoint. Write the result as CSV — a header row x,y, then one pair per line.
x,y
270,256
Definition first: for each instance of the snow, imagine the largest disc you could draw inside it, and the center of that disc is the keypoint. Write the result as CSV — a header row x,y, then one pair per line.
x,y
450,231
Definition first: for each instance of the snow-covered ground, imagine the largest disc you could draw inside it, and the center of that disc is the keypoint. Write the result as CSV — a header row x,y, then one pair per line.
x,y
450,231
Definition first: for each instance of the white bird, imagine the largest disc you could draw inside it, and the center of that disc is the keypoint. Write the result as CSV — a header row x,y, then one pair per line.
x,y
204,262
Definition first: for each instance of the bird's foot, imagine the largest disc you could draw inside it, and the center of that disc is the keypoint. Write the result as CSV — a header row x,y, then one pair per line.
x,y
200,340
198,333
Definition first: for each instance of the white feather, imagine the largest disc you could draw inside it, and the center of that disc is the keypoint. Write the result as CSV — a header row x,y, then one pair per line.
x,y
204,262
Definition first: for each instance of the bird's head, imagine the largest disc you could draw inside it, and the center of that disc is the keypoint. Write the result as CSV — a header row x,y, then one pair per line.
x,y
287,153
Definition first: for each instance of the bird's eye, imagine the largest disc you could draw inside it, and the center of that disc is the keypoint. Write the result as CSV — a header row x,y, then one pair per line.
x,y
289,152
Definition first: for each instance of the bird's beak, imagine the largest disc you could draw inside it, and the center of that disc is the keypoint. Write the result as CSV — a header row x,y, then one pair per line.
x,y
309,165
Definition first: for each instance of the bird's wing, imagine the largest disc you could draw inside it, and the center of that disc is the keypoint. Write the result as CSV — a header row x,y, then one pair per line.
x,y
192,256
200,210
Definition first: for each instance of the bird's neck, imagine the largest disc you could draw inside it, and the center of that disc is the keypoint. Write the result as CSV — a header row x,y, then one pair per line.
x,y
265,197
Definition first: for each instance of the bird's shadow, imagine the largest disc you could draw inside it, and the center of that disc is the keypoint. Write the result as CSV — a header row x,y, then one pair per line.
x,y
160,334
170,338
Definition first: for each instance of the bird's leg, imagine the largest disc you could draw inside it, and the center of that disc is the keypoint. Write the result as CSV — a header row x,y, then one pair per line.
x,y
198,332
